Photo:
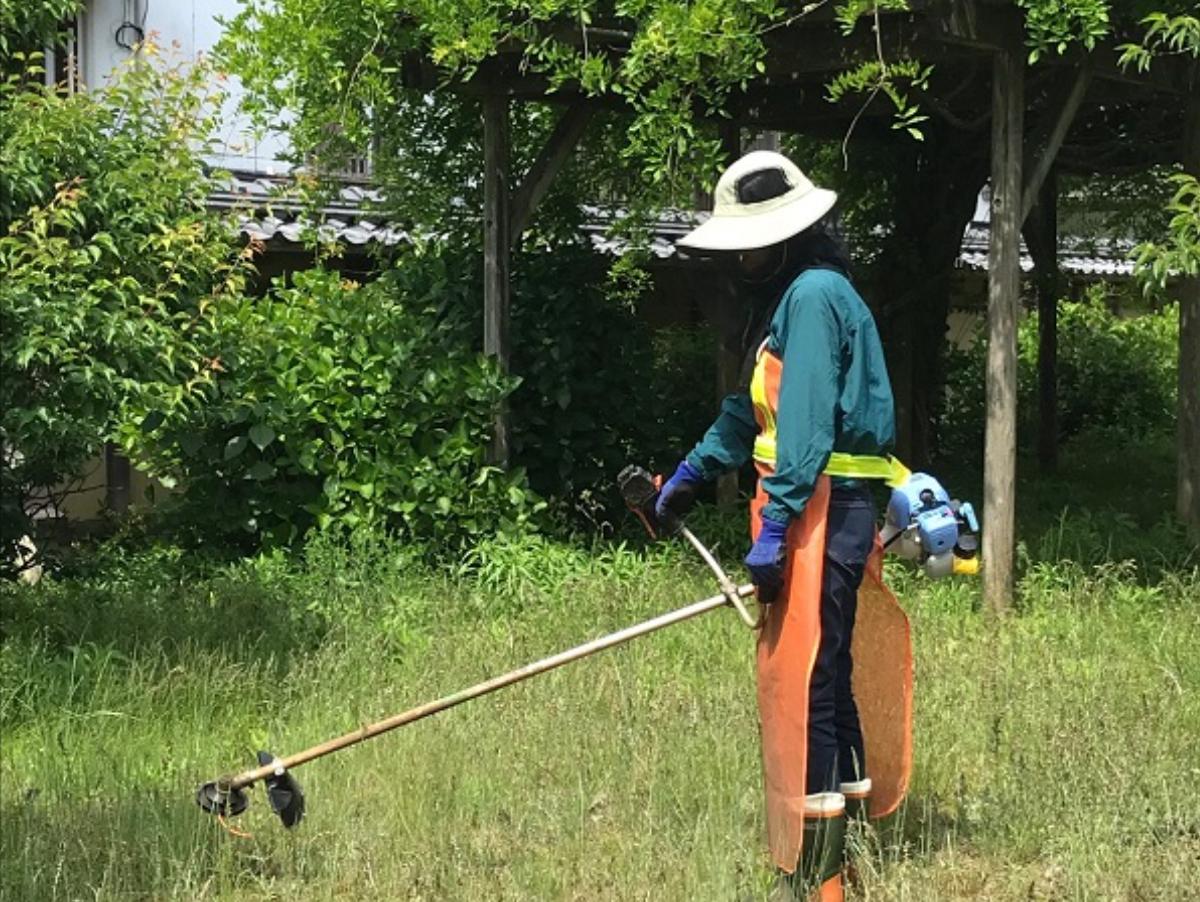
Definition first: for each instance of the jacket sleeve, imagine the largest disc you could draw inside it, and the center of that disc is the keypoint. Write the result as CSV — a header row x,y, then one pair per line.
x,y
729,442
808,335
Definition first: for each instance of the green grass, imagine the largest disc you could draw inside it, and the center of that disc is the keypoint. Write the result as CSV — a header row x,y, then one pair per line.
x,y
1055,752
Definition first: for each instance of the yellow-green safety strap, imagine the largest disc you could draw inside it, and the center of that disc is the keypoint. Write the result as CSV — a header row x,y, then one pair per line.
x,y
847,466
868,466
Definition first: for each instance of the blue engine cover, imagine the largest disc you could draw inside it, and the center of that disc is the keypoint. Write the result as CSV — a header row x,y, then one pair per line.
x,y
922,500
938,529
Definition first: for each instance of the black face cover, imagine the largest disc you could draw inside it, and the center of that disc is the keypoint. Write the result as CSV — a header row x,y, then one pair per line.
x,y
814,247
760,185
768,272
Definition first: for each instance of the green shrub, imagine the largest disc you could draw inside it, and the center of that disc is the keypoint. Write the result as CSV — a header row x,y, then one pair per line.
x,y
596,387
1116,377
111,267
26,28
339,405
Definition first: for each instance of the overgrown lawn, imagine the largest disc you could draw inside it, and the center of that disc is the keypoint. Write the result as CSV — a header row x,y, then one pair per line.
x,y
1055,751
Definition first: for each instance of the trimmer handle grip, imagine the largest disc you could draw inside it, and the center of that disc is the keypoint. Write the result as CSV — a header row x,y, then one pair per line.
x,y
639,490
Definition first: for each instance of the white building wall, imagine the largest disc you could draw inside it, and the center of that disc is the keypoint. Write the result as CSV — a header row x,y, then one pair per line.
x,y
187,28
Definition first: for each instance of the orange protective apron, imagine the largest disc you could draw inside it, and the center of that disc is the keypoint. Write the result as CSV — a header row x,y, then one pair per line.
x,y
787,650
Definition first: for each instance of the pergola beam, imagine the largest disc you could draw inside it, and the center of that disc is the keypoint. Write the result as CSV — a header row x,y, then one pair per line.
x,y
506,214
557,150
1168,75
1051,139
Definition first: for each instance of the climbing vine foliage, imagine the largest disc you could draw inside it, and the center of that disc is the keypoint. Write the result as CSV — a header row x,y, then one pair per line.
x,y
338,65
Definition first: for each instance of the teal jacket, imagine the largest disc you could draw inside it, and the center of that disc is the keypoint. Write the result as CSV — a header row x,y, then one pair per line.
x,y
834,394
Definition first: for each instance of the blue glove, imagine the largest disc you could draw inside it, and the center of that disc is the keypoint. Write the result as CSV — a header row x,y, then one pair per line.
x,y
677,496
765,560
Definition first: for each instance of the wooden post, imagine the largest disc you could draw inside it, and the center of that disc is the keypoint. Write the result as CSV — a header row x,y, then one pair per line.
x,y
768,140
1041,235
496,253
1040,198
1187,494
1000,441
729,356
117,477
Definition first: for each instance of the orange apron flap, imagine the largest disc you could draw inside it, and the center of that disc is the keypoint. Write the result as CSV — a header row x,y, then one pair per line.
x,y
883,687
787,650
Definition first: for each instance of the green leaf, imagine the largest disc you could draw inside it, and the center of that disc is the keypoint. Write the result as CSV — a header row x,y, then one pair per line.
x,y
235,446
152,421
262,435
191,442
261,470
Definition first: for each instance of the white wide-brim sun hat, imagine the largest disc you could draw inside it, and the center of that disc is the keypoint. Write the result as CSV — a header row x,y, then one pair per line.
x,y
760,200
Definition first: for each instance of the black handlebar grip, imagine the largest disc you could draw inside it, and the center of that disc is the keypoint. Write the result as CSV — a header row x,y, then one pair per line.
x,y
639,490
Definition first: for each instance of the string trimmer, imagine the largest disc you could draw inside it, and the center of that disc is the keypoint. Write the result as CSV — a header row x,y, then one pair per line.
x,y
226,795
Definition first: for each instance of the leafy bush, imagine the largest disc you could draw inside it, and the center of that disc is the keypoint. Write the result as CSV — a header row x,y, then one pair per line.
x,y
111,267
341,405
1116,376
596,388
26,28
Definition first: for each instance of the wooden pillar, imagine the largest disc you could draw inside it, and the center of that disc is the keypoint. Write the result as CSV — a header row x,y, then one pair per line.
x,y
729,352
1039,214
117,478
496,253
1187,493
1041,235
1000,439
764,141
902,373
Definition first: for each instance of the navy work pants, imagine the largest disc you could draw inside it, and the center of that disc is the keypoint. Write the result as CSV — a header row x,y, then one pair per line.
x,y
835,743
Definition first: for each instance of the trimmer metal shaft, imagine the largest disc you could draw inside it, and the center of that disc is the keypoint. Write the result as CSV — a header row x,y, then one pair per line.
x,y
231,784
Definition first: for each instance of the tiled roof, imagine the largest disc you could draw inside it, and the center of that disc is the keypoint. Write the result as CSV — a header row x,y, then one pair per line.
x,y
670,226
268,210
1075,255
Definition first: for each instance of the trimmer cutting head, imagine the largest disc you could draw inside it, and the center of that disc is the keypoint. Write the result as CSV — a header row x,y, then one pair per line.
x,y
217,798
283,792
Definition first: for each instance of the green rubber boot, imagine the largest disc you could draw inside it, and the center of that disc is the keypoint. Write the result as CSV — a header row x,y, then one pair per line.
x,y
818,876
858,797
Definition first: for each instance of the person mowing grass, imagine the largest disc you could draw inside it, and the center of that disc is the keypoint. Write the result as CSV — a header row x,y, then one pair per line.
x,y
834,661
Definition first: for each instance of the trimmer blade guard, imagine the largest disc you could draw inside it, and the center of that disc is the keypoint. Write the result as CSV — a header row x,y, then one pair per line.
x,y
283,792
216,798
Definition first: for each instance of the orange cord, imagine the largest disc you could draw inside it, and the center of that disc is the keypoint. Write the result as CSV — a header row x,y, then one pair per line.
x,y
231,830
